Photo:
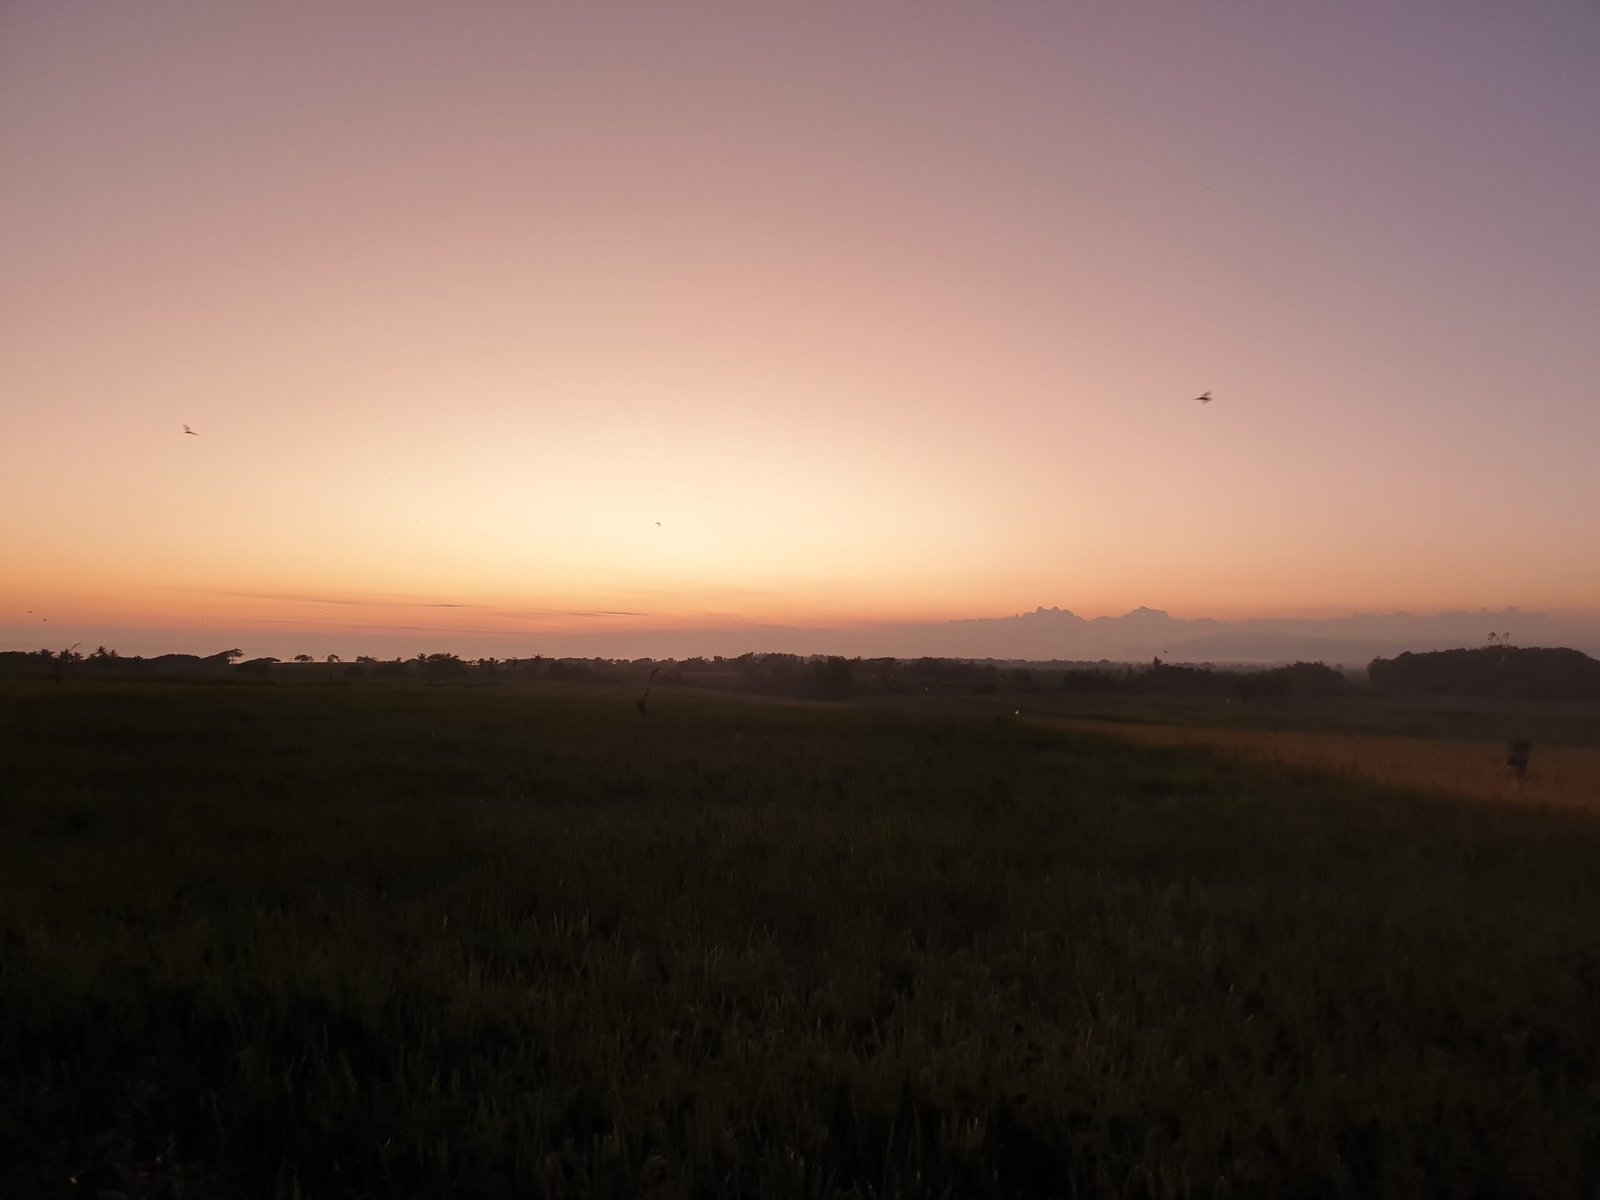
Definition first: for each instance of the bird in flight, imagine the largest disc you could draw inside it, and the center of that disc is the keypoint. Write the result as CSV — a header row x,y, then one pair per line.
x,y
1203,397
190,432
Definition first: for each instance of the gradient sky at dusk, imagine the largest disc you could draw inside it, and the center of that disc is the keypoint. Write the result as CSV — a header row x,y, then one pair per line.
x,y
884,312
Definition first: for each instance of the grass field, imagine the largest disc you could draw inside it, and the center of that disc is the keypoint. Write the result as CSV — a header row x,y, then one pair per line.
x,y
410,941
1566,775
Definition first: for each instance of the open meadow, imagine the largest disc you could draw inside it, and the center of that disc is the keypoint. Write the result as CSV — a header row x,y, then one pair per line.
x,y
1437,745
394,940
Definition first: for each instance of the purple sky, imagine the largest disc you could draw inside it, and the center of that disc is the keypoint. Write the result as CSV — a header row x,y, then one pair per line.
x,y
886,313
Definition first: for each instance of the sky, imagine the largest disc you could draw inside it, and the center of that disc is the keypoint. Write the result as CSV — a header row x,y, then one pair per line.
x,y
504,325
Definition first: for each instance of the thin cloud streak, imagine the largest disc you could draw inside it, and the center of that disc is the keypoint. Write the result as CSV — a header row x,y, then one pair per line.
x,y
381,603
310,598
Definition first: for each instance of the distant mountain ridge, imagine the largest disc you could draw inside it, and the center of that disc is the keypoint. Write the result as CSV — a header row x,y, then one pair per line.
x,y
1146,633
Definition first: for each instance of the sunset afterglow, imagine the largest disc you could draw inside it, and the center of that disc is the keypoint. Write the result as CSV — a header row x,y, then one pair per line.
x,y
502,326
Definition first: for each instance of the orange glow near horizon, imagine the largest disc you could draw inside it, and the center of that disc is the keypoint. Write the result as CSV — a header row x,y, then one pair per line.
x,y
545,322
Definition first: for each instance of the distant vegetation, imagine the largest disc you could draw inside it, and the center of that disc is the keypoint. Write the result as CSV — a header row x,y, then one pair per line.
x,y
108,664
1497,672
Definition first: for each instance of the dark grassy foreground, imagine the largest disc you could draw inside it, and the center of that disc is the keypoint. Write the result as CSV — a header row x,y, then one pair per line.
x,y
355,941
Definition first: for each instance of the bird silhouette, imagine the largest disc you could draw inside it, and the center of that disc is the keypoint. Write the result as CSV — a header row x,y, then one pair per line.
x,y
190,432
1204,397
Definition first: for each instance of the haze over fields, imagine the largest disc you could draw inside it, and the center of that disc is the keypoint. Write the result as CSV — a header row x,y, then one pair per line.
x,y
1044,634
704,327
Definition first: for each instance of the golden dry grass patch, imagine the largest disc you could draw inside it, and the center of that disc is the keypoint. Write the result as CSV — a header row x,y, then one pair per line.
x,y
1563,775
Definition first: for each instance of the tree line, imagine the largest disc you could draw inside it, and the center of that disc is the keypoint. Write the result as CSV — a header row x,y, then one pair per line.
x,y
1498,670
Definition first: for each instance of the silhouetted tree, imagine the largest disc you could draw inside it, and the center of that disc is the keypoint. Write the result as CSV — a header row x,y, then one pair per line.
x,y
880,671
67,657
1496,670
1297,679
832,678
442,666
1091,681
